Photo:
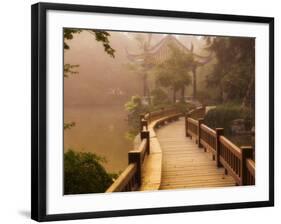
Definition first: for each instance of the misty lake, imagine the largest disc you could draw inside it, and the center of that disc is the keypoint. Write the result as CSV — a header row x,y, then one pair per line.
x,y
100,130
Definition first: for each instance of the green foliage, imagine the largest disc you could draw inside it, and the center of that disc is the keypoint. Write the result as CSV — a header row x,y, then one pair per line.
x,y
135,109
174,72
100,36
233,72
68,125
223,115
68,35
159,97
83,173
134,104
207,96
184,107
68,69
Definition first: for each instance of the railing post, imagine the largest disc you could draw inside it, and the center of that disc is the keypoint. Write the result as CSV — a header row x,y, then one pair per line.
x,y
219,132
186,125
144,123
200,121
247,153
135,157
145,135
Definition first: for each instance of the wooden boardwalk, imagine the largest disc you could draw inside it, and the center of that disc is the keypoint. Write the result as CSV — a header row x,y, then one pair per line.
x,y
184,165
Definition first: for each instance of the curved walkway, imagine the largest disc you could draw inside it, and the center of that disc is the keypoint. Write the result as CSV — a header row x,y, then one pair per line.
x,y
184,165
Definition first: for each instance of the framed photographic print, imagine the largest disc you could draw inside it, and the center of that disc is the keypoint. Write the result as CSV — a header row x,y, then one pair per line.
x,y
139,111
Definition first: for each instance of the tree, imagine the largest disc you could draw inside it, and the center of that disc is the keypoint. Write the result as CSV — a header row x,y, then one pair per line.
x,y
83,173
100,36
233,72
159,97
174,72
135,109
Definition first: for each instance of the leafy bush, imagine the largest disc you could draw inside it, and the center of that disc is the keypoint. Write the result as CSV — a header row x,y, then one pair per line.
x,y
159,97
207,96
134,104
184,107
223,115
135,109
83,173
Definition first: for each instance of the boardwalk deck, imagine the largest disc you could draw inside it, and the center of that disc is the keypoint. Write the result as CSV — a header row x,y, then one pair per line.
x,y
184,165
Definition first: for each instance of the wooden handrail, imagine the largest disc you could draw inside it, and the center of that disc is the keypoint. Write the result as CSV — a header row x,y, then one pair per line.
x,y
197,112
126,180
251,166
247,153
192,128
151,116
208,139
141,149
236,160
130,178
230,158
208,130
193,121
250,172
231,147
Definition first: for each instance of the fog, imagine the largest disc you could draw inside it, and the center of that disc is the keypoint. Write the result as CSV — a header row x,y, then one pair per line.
x,y
99,74
94,98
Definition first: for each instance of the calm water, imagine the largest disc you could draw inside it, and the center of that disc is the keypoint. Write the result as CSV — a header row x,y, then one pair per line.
x,y
101,130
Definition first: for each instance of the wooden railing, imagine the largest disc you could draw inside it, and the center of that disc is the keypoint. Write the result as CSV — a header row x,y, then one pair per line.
x,y
192,129
250,172
237,161
197,112
130,179
151,116
126,181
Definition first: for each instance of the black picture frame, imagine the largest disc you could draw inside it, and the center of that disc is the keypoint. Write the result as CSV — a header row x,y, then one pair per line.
x,y
38,108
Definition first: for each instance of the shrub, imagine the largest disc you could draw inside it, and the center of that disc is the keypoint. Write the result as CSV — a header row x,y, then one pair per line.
x,y
184,107
207,97
223,115
159,97
84,173
135,109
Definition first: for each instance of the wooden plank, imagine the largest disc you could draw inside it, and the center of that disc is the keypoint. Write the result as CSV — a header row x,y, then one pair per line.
x,y
184,165
152,166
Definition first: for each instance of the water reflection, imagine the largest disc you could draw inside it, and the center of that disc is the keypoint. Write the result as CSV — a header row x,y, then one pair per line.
x,y
100,130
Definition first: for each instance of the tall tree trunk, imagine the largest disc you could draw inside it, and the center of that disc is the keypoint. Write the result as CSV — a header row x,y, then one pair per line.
x,y
221,93
194,80
249,98
174,95
144,85
182,93
148,94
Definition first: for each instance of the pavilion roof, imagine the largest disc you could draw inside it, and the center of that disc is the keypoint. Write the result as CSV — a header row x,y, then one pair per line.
x,y
159,52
